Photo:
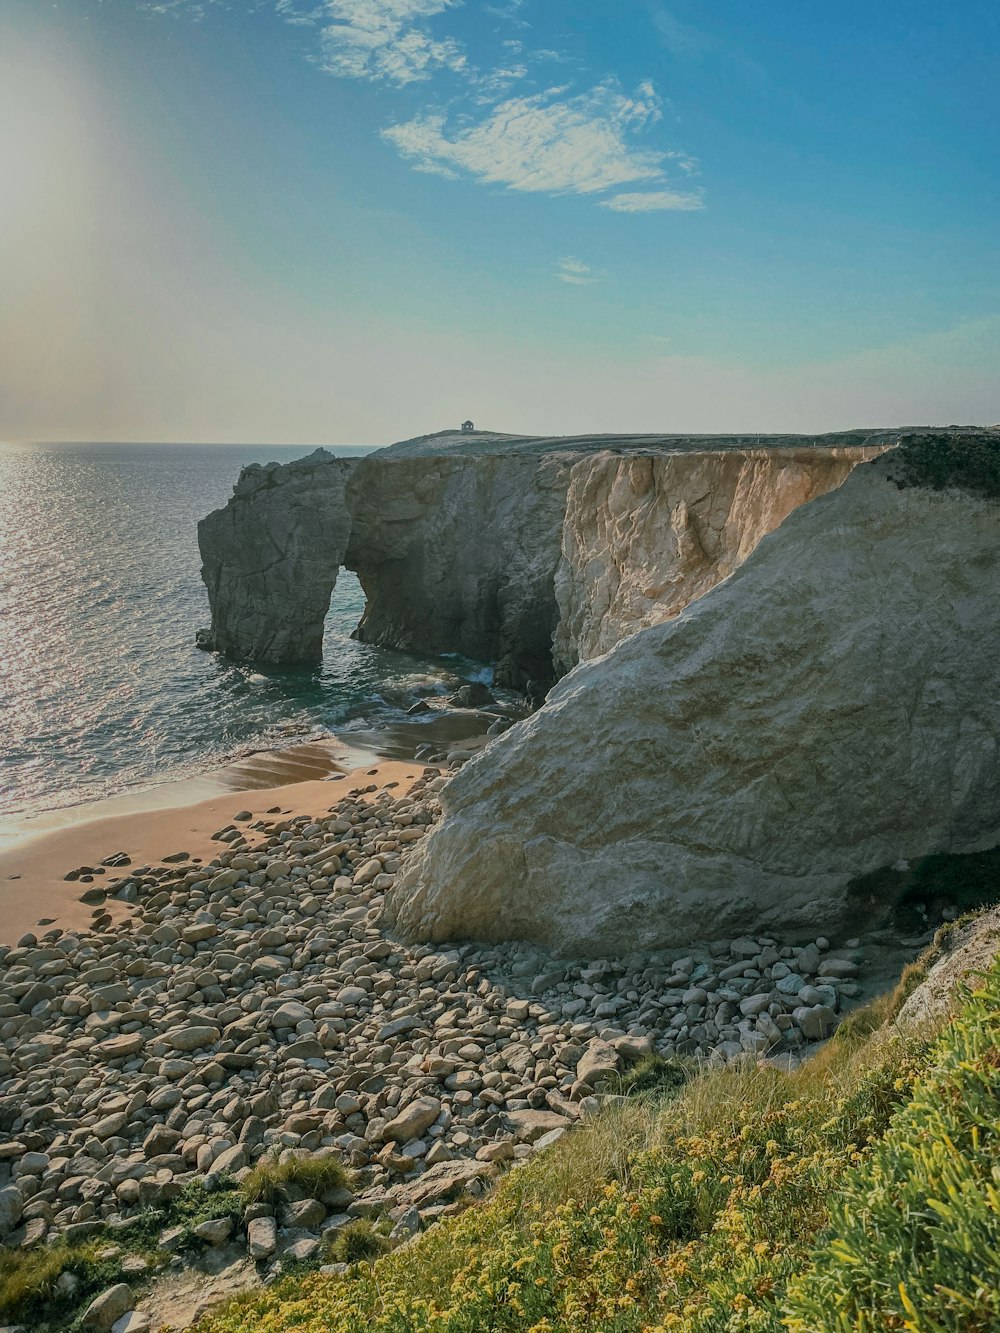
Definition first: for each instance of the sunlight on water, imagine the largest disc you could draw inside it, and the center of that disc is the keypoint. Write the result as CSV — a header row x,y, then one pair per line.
x,y
101,686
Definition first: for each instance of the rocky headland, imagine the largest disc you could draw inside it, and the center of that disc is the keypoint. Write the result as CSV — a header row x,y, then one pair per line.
x,y
776,678
829,711
531,554
774,663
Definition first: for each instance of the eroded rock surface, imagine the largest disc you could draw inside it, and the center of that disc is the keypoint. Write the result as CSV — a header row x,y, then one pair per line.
x,y
459,555
644,535
270,559
967,952
830,708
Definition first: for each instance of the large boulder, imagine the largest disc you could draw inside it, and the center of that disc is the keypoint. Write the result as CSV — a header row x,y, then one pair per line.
x,y
832,707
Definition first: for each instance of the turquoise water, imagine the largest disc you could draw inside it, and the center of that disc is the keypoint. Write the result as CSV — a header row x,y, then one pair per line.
x,y
101,686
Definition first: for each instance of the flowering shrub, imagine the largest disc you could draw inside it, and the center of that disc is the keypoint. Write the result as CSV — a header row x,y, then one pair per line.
x,y
914,1231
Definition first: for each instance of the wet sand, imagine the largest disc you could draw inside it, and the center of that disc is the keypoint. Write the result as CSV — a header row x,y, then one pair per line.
x,y
37,851
179,817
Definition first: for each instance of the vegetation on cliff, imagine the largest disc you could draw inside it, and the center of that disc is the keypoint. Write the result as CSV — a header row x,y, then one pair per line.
x,y
965,462
856,1194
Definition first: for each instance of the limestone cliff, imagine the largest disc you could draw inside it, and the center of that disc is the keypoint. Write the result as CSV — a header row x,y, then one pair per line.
x,y
831,707
644,535
459,555
528,553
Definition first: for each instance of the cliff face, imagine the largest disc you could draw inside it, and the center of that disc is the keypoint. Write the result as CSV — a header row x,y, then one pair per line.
x,y
459,555
645,535
531,554
832,707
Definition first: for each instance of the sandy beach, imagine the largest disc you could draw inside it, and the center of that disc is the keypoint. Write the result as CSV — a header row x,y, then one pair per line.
x,y
178,817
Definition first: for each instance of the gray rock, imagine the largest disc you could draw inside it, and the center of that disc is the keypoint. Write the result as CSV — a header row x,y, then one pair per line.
x,y
192,1037
262,1237
160,1140
306,1247
305,1215
120,1048
216,1231
599,1062
838,967
133,1322
631,1047
11,1208
791,984
530,1126
414,1118
815,1023
105,1310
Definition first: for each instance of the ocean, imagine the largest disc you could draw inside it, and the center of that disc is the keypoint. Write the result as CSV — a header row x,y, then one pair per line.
x,y
102,689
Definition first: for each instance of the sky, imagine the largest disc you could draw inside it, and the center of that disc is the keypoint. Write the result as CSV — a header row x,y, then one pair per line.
x,y
356,221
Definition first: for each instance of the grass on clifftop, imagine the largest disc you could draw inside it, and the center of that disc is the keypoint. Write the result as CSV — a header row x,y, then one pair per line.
x,y
856,1195
914,1230
968,462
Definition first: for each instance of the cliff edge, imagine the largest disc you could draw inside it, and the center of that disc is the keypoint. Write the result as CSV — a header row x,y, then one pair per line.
x,y
526,552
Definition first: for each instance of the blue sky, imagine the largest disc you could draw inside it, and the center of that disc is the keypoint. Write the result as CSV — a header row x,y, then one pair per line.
x,y
356,220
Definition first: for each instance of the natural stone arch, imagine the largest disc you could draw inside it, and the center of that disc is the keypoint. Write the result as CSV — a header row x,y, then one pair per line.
x,y
271,559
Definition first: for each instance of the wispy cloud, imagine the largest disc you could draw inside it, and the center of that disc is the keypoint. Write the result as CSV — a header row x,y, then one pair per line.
x,y
508,10
387,39
191,9
554,57
498,82
654,201
558,141
298,19
575,271
686,42
680,39
550,143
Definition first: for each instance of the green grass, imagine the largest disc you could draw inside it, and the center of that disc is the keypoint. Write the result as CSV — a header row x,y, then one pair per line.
x,y
653,1076
276,1179
913,1237
28,1278
358,1242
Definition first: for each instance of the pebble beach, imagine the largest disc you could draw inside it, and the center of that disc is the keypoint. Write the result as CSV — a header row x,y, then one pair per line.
x,y
237,999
